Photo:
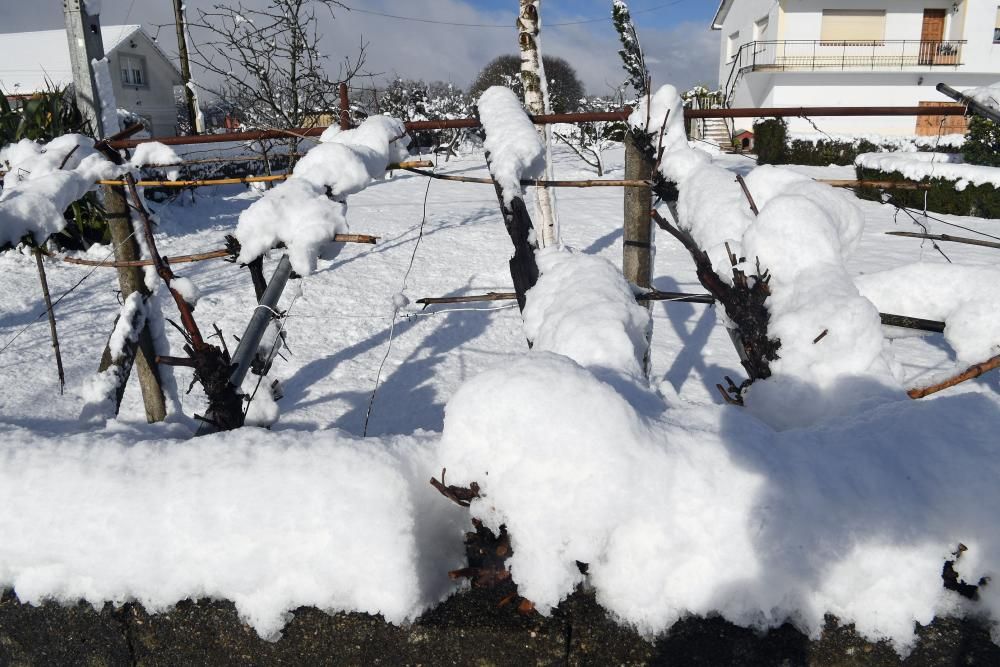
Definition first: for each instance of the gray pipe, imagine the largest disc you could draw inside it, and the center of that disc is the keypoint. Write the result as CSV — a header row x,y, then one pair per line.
x,y
971,104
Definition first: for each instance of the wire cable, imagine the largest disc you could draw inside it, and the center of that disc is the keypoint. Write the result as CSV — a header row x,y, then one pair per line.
x,y
497,25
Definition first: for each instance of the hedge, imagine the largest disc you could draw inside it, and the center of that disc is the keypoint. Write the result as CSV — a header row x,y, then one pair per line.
x,y
977,200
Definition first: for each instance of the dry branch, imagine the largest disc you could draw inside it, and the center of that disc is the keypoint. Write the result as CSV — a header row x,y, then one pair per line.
x,y
968,374
883,185
48,310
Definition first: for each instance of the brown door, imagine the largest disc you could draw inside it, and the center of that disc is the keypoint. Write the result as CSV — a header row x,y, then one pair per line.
x,y
931,35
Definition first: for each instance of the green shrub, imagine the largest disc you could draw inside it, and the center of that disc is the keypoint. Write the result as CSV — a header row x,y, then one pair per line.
x,y
770,141
979,200
43,117
982,142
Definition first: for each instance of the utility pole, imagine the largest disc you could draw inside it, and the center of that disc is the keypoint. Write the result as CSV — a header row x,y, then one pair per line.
x,y
190,94
83,31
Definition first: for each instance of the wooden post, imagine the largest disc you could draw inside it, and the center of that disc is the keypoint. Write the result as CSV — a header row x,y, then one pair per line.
x,y
190,95
52,318
637,259
345,108
130,279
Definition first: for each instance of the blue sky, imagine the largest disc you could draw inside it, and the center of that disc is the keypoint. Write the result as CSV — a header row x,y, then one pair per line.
x,y
679,46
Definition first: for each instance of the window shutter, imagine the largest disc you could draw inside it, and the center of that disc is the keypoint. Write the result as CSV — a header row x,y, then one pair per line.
x,y
853,25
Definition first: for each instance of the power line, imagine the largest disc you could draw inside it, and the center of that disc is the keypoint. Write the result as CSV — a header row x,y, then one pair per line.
x,y
497,25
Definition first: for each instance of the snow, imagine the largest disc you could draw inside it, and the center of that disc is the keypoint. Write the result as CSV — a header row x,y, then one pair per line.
x,y
918,166
306,211
155,153
98,391
187,289
515,149
583,308
679,504
37,61
36,191
986,95
106,95
963,296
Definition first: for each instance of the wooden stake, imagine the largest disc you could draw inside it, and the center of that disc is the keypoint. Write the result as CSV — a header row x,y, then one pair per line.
x,y
591,183
243,179
637,255
52,318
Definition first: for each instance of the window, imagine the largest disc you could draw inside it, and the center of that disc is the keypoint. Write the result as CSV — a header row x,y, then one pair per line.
x,y
732,45
853,25
133,71
760,28
996,28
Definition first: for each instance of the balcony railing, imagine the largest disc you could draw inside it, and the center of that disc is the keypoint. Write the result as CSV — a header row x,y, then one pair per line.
x,y
817,55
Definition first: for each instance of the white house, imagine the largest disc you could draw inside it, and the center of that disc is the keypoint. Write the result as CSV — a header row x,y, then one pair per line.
x,y
791,53
143,76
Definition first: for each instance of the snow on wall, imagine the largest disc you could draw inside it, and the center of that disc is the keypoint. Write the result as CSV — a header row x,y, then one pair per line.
x,y
898,143
306,211
36,191
269,521
705,510
917,166
515,149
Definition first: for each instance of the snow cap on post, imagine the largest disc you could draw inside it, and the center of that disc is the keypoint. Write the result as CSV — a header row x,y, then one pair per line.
x,y
514,147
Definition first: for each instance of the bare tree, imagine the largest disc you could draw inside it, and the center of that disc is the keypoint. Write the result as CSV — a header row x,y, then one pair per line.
x,y
268,61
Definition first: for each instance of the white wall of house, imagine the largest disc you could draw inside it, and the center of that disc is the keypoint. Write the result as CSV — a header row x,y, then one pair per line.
x,y
908,85
154,98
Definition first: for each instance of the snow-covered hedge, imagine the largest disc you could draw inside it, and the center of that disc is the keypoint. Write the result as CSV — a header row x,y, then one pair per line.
x,y
955,187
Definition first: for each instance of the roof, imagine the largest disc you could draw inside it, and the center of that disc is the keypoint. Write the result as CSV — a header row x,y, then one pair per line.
x,y
31,58
720,15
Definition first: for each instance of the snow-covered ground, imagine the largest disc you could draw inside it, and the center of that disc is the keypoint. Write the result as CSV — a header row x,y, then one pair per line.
x,y
679,503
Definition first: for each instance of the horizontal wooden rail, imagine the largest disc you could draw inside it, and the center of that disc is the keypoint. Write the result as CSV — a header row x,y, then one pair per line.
x,y
201,256
548,119
245,179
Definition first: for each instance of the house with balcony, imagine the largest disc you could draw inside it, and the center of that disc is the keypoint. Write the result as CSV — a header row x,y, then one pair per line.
x,y
143,78
792,53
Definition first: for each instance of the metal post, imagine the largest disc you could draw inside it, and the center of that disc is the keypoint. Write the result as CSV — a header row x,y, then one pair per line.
x,y
83,31
972,105
262,315
190,95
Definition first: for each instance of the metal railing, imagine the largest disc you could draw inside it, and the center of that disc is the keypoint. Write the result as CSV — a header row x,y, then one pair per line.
x,y
859,55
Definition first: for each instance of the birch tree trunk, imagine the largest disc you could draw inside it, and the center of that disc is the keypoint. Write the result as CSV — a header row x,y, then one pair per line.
x,y
536,100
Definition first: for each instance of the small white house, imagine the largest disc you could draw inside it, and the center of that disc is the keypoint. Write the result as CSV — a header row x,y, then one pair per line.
x,y
143,76
792,53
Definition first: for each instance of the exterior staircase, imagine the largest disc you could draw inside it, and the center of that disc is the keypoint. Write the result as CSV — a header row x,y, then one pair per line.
x,y
717,131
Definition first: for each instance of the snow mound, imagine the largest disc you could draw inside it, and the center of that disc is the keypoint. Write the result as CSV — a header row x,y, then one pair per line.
x,y
965,297
514,147
36,191
582,307
306,211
